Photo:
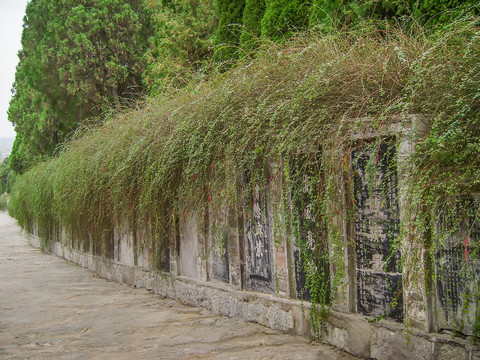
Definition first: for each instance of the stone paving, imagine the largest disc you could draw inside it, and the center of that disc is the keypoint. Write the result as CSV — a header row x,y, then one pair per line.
x,y
52,309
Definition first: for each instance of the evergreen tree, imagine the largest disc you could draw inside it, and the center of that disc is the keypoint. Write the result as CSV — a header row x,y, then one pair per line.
x,y
4,172
181,43
227,38
99,58
252,24
77,59
283,17
23,155
335,13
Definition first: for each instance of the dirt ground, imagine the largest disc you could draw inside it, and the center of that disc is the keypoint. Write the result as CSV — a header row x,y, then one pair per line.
x,y
52,309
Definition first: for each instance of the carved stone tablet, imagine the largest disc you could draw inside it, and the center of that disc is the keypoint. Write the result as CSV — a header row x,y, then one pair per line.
x,y
258,239
379,280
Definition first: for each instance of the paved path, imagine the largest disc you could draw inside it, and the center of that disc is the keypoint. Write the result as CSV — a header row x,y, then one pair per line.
x,y
51,309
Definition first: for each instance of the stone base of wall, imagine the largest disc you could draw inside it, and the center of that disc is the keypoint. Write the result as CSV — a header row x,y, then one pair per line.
x,y
349,332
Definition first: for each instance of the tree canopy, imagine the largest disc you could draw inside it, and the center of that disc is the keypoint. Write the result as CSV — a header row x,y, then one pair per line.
x,y
82,58
181,42
78,58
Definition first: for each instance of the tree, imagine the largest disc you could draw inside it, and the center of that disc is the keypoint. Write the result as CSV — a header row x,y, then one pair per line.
x,y
78,58
31,107
100,52
283,17
4,171
227,37
252,24
181,43
335,13
23,155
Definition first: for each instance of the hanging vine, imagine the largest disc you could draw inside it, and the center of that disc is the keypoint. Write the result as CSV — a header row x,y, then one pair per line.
x,y
145,168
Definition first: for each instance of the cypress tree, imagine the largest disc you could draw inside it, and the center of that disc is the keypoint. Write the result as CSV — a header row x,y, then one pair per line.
x,y
283,17
227,39
334,13
252,22
181,43
78,58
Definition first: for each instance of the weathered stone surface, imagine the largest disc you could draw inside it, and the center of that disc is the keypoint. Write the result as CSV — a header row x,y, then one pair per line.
x,y
445,351
379,281
387,344
420,347
188,253
350,334
476,355
259,243
391,341
457,271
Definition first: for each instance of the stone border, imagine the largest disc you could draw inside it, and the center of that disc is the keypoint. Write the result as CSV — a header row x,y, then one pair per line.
x,y
352,333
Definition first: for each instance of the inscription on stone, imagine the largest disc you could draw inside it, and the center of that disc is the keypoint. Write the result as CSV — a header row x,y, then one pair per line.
x,y
259,244
162,259
457,266
379,280
310,253
220,265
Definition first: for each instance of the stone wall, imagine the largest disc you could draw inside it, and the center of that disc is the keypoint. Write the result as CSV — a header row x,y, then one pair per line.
x,y
247,262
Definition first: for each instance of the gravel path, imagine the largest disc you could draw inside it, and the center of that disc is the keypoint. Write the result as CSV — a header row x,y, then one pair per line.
x,y
51,309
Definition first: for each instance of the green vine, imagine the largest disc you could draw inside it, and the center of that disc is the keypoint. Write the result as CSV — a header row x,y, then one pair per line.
x,y
188,150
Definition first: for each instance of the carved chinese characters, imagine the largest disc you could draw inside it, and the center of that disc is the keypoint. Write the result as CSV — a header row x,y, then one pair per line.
x,y
379,279
457,267
259,243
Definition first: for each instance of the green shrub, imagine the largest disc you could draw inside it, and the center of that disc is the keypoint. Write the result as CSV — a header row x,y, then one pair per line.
x,y
183,150
252,27
3,202
227,38
182,42
283,18
328,14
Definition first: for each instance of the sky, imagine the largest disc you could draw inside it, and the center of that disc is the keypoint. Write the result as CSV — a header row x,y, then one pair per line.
x,y
11,22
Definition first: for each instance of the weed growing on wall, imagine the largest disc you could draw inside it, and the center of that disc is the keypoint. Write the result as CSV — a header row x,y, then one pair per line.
x,y
179,152
3,202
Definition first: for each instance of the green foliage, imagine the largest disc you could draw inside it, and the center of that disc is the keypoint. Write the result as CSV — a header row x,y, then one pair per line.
x,y
32,106
23,156
100,51
284,17
77,59
454,138
252,26
11,178
328,14
304,176
181,150
7,176
81,58
443,11
4,171
227,37
182,42
35,204
3,202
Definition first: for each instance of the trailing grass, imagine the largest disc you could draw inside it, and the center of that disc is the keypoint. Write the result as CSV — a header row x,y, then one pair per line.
x,y
289,100
180,150
3,202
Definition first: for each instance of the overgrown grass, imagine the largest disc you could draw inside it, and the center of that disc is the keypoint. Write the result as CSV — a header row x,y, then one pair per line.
x,y
185,149
3,202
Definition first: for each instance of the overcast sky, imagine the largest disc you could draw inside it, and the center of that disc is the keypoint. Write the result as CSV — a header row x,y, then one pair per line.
x,y
11,21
